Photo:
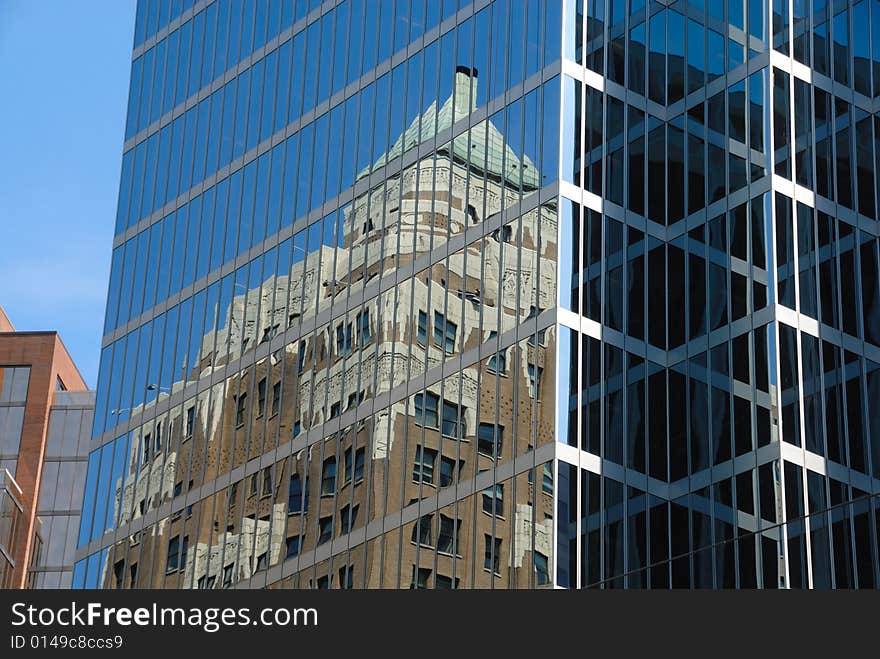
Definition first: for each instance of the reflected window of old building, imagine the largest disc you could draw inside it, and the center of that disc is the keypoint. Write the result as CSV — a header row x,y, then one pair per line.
x,y
267,481
489,439
444,332
294,543
254,485
147,445
422,334
422,533
261,397
347,518
447,538
328,476
343,339
335,409
323,583
447,471
534,312
176,492
453,420
206,583
498,362
298,496
325,529
472,213
355,398
173,557
297,428
262,561
426,409
423,468
503,234
493,500
176,553
542,571
189,508
119,574
228,572
132,575
276,398
240,409
157,442
360,457
348,470
421,577
346,577
190,421
268,333
446,583
547,480
353,465
493,552
363,327
535,373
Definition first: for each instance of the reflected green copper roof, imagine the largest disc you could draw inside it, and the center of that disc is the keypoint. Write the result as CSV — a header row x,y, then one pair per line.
x,y
483,146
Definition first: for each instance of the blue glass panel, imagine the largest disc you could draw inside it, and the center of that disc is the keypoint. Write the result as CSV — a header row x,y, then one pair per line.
x,y
207,73
89,499
282,94
241,114
253,126
356,40
180,92
125,182
341,48
205,233
158,82
232,212
288,191
260,198
201,142
268,105
219,222
194,212
114,289
246,216
194,76
134,96
220,61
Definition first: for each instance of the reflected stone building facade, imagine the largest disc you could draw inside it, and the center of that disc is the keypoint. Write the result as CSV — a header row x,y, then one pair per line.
x,y
513,295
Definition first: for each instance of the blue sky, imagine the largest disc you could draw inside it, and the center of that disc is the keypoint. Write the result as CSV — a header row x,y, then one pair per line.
x,y
64,69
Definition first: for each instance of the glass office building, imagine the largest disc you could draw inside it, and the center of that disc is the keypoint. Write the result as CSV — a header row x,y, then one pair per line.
x,y
493,294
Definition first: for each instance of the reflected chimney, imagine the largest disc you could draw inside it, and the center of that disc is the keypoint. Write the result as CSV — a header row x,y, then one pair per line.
x,y
465,91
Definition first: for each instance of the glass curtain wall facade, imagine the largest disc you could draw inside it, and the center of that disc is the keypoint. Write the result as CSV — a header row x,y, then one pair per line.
x,y
329,349
719,307
501,294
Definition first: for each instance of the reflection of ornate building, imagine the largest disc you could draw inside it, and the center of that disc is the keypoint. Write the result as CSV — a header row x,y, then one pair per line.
x,y
348,464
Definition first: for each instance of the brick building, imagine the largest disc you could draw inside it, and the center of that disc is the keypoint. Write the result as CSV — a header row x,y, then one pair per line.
x,y
46,413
